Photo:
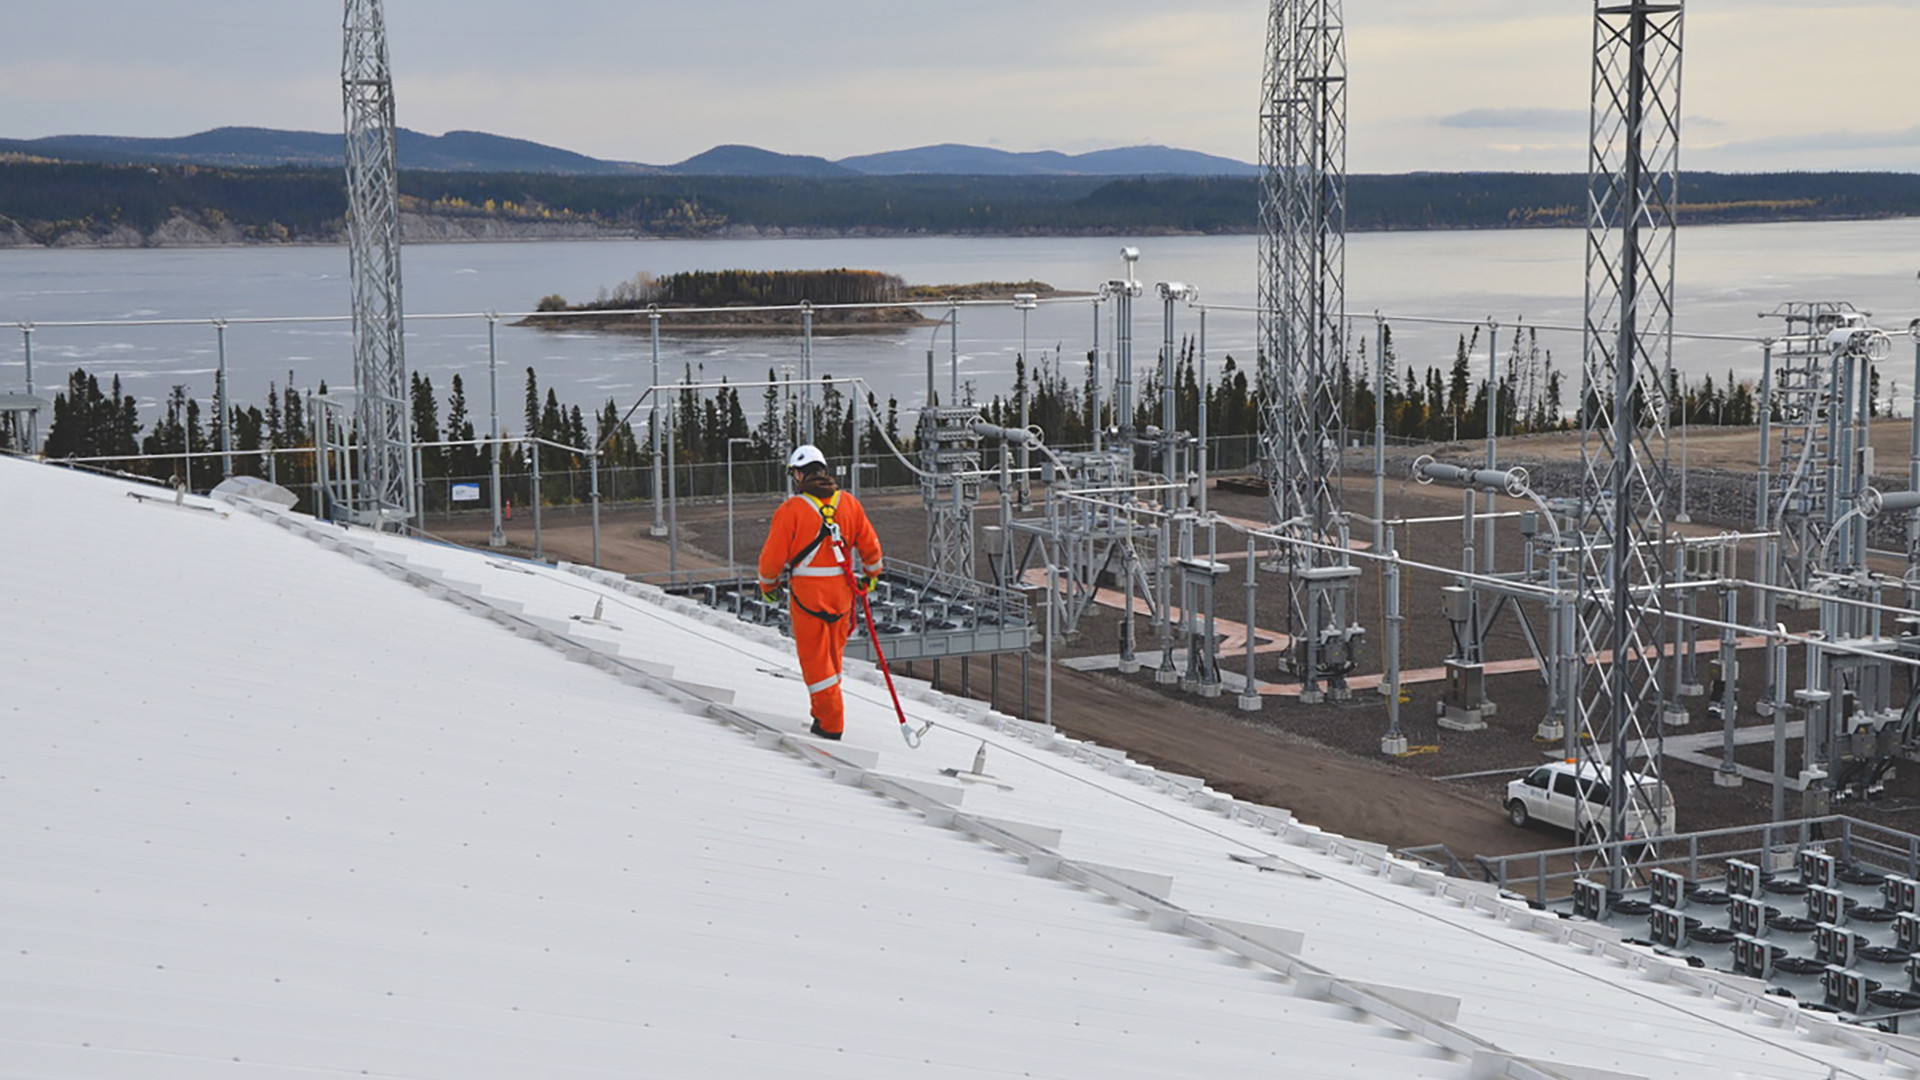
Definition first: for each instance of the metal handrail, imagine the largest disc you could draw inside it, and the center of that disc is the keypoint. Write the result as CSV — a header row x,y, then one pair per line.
x,y
1851,839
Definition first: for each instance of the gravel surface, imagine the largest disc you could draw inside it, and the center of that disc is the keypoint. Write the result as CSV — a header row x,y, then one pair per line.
x,y
1324,761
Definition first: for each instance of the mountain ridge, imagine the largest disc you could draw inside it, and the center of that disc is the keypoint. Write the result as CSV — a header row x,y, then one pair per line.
x,y
478,151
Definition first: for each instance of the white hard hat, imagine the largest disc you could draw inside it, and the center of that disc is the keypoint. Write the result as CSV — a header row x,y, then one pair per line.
x,y
806,455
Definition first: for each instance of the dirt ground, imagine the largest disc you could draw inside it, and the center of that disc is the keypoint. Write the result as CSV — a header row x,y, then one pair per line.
x,y
1322,761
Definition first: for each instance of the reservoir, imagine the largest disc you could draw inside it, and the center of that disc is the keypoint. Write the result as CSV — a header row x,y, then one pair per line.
x,y
1428,285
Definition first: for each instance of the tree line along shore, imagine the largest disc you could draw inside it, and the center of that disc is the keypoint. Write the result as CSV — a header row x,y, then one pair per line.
x,y
750,301
1051,390
50,203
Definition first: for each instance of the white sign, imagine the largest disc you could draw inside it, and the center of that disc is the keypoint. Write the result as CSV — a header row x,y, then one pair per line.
x,y
466,493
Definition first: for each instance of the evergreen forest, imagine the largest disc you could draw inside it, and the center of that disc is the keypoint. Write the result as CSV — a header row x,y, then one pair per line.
x,y
47,202
701,431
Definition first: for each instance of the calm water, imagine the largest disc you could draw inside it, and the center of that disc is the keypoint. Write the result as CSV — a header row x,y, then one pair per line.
x,y
1727,276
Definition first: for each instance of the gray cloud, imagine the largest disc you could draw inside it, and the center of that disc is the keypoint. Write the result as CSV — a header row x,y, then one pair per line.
x,y
1826,141
1517,119
657,81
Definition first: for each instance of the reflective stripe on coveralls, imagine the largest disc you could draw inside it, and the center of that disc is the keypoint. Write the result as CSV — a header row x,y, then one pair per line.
x,y
821,597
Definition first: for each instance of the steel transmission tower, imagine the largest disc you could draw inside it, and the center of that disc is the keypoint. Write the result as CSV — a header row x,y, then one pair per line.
x,y
384,493
1632,177
1303,219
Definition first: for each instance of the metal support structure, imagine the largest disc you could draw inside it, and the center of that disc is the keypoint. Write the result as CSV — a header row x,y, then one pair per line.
x,y
1250,700
1815,503
1302,297
1632,182
1851,727
1025,303
806,372
1913,469
1200,424
1767,565
1802,386
1726,680
33,416
1394,742
732,564
1550,563
1091,535
593,493
383,412
498,537
1464,706
1094,371
659,526
949,486
222,408
539,537
1197,577
1123,292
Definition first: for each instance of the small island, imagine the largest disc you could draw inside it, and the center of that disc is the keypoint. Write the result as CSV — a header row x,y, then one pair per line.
x,y
754,301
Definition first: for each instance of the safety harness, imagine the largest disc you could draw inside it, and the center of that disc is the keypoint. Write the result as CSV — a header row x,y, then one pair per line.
x,y
796,566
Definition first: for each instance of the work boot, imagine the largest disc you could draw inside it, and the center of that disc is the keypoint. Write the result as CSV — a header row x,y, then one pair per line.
x,y
822,733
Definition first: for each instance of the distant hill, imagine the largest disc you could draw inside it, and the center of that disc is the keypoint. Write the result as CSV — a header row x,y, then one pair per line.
x,y
477,151
951,159
45,203
753,161
260,148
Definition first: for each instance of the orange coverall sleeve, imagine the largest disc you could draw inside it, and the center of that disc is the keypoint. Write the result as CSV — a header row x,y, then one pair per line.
x,y
859,532
784,540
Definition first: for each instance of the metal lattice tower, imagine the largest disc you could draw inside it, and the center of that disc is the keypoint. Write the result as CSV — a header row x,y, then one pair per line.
x,y
1632,181
1303,217
384,492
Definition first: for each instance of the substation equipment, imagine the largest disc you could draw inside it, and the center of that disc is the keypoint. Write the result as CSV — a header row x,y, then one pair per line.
x,y
1816,508
1629,604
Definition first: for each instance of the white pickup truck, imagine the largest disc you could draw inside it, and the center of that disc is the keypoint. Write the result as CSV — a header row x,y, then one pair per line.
x,y
1578,797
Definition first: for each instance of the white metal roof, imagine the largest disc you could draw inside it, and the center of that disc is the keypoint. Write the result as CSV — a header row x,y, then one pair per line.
x,y
290,800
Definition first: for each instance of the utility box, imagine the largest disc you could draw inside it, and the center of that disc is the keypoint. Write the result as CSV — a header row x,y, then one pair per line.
x,y
1465,707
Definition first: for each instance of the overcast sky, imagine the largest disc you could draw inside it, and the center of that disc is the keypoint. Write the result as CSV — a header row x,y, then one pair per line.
x,y
1434,84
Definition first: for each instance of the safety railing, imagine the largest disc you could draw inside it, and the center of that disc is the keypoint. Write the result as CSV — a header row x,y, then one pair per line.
x,y
1549,875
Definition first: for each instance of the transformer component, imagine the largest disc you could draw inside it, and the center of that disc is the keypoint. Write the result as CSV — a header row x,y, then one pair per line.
x,y
949,485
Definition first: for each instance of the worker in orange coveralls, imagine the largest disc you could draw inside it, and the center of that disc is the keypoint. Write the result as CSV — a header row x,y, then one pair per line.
x,y
811,539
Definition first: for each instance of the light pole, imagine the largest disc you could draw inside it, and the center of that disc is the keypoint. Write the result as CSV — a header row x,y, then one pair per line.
x,y
790,410
498,537
1171,292
33,417
933,342
730,445
1024,303
186,443
1682,517
1123,294
220,396
659,527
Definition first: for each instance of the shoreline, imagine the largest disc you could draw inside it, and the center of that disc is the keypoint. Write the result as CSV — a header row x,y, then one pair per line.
x,y
181,231
416,229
